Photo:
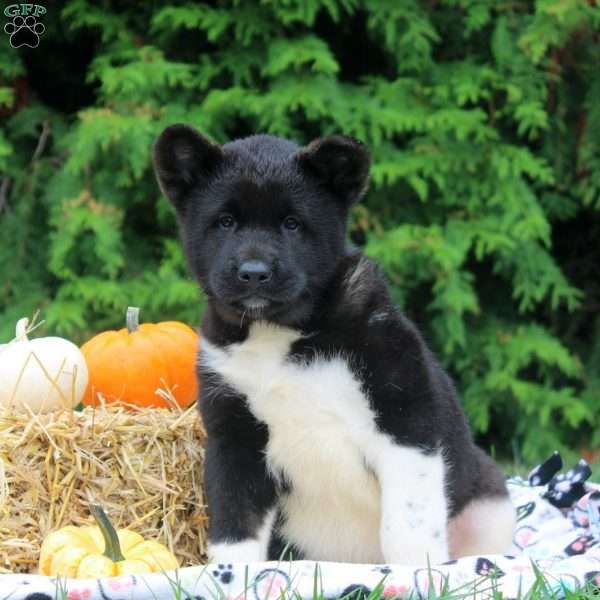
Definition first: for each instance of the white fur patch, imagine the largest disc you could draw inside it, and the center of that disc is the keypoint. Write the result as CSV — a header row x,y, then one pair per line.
x,y
264,534
246,551
382,315
415,509
235,552
351,485
484,526
355,282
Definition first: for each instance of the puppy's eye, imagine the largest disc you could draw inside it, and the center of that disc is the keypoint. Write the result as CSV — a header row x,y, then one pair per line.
x,y
226,221
291,223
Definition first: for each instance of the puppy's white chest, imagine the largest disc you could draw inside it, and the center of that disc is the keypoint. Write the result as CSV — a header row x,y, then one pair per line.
x,y
320,432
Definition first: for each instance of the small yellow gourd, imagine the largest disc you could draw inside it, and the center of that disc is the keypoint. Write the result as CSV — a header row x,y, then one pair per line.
x,y
92,552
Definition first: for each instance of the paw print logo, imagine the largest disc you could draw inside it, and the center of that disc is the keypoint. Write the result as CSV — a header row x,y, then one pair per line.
x,y
224,573
24,31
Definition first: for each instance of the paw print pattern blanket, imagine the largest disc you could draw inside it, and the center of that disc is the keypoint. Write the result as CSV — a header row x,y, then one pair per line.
x,y
557,536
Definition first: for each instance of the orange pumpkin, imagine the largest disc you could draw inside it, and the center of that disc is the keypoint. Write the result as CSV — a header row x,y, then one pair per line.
x,y
131,364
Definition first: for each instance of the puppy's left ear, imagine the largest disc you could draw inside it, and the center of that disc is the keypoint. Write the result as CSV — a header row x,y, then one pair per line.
x,y
339,163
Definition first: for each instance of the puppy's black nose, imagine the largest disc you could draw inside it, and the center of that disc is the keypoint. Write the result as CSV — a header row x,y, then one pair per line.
x,y
254,272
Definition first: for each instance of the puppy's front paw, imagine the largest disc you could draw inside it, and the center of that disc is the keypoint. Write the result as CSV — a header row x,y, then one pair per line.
x,y
416,549
235,552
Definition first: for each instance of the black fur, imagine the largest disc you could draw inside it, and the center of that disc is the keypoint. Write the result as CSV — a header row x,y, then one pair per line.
x,y
318,285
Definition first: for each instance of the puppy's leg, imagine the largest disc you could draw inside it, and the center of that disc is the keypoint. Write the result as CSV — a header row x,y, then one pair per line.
x,y
240,497
484,526
414,506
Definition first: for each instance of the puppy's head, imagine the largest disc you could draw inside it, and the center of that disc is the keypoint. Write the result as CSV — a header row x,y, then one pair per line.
x,y
262,220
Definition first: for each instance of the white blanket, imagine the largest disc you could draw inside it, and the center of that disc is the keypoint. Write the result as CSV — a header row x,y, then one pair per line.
x,y
557,536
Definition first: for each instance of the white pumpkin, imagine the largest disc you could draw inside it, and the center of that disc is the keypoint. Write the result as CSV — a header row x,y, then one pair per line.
x,y
41,375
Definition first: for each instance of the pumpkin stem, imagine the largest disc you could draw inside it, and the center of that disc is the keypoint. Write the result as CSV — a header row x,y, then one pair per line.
x,y
133,318
21,330
112,548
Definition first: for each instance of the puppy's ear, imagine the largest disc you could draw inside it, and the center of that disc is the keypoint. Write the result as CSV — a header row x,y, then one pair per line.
x,y
183,159
339,163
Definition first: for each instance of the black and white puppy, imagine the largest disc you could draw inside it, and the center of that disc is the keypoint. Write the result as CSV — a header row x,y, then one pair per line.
x,y
333,432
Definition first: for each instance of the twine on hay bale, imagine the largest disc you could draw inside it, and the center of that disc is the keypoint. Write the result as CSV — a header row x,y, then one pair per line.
x,y
144,466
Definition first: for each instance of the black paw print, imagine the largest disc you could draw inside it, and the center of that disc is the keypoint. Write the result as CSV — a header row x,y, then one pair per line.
x,y
224,573
593,578
565,489
383,569
355,591
24,31
488,568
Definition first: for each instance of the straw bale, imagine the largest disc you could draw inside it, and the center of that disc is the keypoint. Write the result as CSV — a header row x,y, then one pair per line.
x,y
143,466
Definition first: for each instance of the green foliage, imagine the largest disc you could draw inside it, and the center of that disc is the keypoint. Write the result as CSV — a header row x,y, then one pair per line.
x,y
484,123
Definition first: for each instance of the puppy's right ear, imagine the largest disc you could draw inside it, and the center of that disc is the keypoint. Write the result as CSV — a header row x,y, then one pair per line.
x,y
183,159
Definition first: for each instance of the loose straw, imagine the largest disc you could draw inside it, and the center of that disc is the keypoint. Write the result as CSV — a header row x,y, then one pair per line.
x,y
143,465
